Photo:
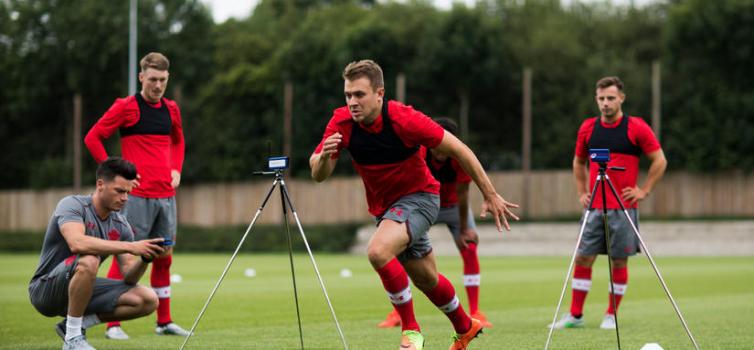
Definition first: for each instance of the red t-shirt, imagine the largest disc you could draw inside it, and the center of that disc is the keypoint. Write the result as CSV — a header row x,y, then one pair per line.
x,y
384,184
448,189
154,155
639,134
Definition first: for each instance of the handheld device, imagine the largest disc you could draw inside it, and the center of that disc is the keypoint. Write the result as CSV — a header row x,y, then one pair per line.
x,y
165,243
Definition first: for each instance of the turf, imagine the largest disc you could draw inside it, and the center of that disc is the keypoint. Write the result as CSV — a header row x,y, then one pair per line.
x,y
519,295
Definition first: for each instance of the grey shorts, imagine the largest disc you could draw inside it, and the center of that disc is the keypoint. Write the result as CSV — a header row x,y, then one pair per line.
x,y
451,217
623,240
418,211
49,293
151,217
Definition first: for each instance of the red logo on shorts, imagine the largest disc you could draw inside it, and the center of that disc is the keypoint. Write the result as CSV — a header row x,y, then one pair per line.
x,y
69,260
113,235
397,211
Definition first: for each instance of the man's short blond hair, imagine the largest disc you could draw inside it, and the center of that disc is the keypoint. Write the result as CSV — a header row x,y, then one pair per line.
x,y
365,69
154,60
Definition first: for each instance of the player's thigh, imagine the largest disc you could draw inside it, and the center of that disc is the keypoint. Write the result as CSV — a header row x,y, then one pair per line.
x,y
49,293
390,238
107,295
141,214
165,223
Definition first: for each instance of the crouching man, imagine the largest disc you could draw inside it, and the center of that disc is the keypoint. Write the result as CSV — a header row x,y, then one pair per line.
x,y
81,233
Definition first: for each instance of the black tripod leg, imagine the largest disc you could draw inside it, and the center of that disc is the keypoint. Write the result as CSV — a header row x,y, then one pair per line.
x,y
573,260
290,257
230,262
608,246
656,269
314,263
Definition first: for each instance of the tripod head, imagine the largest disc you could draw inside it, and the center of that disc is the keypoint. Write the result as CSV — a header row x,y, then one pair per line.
x,y
275,166
601,156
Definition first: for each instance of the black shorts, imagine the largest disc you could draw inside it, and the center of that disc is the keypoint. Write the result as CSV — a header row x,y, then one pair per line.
x,y
49,293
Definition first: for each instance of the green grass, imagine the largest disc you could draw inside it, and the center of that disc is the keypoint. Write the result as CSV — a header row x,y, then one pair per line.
x,y
519,295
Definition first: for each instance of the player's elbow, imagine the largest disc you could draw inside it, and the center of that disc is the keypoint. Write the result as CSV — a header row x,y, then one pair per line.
x,y
77,247
318,176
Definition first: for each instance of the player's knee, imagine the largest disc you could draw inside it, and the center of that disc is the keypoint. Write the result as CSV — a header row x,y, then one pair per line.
x,y
87,266
378,256
149,300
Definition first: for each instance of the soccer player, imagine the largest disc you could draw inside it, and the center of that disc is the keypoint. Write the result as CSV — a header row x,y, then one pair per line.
x,y
384,138
81,233
627,138
152,138
456,214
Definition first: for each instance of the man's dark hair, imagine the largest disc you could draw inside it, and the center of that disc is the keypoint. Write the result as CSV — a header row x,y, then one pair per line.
x,y
114,166
448,124
607,82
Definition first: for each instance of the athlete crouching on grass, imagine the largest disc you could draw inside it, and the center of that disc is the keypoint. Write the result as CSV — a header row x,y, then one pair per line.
x,y
82,232
383,139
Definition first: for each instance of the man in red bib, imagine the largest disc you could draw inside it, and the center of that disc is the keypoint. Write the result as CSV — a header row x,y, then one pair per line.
x,y
384,140
457,215
151,136
627,138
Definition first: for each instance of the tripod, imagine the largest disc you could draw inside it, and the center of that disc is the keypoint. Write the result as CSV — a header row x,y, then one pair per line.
x,y
286,203
603,179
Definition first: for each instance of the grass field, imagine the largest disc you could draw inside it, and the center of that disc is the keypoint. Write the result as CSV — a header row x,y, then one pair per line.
x,y
519,295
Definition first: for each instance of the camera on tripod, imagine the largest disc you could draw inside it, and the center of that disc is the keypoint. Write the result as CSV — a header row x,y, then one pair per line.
x,y
599,155
277,163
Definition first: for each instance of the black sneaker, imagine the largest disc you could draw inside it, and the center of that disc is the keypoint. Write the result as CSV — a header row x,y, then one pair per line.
x,y
60,329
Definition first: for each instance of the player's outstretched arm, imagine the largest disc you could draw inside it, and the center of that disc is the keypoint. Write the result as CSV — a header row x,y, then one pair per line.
x,y
493,202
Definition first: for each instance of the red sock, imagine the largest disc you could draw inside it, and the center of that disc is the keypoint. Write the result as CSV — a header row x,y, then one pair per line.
x,y
395,281
471,277
580,285
443,295
620,282
115,274
160,280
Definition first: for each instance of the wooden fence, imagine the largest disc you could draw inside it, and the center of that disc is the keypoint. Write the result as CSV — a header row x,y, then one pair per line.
x,y
551,194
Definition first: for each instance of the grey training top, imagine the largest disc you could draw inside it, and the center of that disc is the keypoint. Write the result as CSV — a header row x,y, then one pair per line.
x,y
78,209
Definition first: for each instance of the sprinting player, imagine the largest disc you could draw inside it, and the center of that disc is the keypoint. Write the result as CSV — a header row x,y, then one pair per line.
x,y
151,137
384,139
82,232
627,138
456,214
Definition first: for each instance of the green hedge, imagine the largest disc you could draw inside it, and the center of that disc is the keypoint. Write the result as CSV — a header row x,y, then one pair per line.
x,y
267,238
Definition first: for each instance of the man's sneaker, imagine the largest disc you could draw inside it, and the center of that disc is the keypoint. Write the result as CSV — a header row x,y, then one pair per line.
x,y
568,321
482,318
116,333
412,340
171,329
60,329
608,322
461,341
393,319
77,343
